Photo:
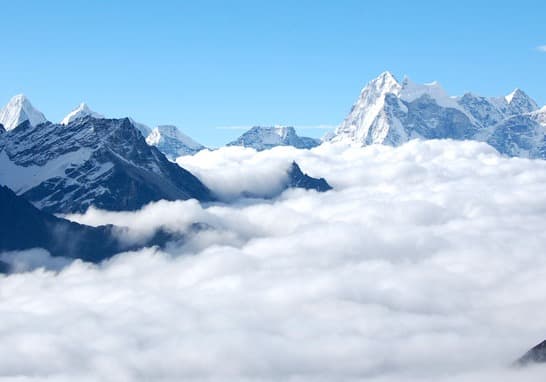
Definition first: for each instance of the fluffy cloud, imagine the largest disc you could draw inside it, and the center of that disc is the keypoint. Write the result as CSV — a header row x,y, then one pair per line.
x,y
425,263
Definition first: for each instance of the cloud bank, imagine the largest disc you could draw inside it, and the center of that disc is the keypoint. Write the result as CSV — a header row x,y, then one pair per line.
x,y
425,263
541,48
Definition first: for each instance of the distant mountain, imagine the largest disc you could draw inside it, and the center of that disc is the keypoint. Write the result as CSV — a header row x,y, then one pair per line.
x,y
298,179
80,112
23,226
19,110
536,355
172,142
392,112
100,162
263,138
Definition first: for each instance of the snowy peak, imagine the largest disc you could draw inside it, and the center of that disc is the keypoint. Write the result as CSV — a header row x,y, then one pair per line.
x,y
368,111
18,110
519,102
81,111
267,137
385,83
172,142
392,113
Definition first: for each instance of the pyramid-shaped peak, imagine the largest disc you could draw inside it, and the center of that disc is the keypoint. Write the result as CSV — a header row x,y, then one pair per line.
x,y
80,111
515,94
18,110
386,75
520,102
385,80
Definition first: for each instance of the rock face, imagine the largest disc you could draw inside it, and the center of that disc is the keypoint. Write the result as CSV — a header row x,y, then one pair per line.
x,y
100,162
536,355
264,138
172,142
392,112
23,226
19,110
298,179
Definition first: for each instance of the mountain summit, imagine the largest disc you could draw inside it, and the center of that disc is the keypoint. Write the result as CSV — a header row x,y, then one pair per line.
x,y
18,110
172,142
392,112
80,112
267,137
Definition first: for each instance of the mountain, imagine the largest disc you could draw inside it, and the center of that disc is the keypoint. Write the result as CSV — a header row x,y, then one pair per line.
x,y
535,355
23,226
79,112
18,110
263,138
298,179
172,142
392,112
100,162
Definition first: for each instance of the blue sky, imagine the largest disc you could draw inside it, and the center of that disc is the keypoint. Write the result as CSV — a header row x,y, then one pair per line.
x,y
202,65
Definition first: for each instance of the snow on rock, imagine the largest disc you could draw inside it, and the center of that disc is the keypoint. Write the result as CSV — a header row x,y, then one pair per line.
x,y
104,163
81,111
18,110
172,142
267,137
389,112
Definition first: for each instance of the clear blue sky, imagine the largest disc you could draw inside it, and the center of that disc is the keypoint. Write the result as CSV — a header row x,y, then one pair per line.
x,y
207,64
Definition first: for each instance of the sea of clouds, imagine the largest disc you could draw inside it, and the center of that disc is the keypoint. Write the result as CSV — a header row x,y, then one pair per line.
x,y
425,263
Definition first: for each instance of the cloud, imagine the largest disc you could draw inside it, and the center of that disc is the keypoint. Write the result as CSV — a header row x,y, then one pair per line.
x,y
425,263
541,48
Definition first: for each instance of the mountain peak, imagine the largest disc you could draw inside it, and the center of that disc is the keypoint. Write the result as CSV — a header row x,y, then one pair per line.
x,y
172,142
266,137
386,82
517,92
519,102
82,110
387,76
18,110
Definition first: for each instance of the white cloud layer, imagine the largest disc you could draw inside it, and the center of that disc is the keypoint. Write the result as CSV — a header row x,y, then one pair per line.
x,y
541,48
426,263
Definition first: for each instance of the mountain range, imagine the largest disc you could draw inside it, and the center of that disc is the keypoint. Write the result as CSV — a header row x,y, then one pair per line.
x,y
89,161
266,137
392,112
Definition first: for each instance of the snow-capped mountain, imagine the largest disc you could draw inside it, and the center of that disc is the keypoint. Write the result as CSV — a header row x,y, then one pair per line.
x,y
263,138
18,110
172,142
100,162
392,112
81,111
